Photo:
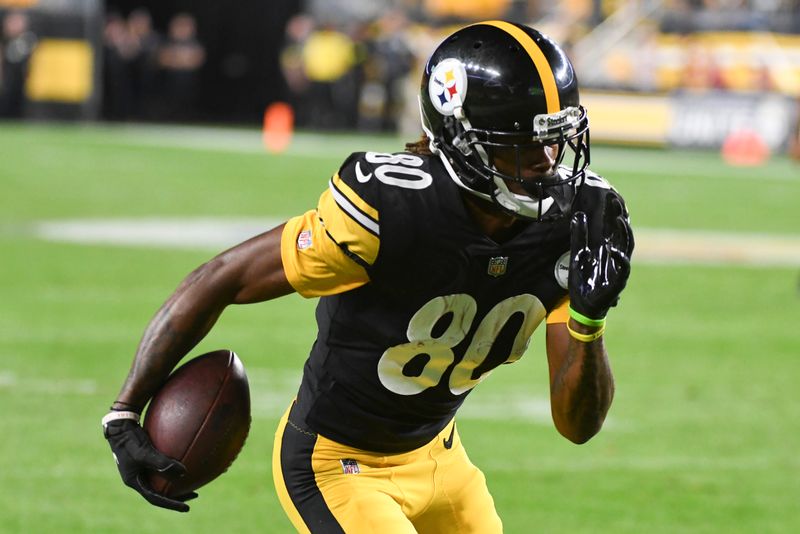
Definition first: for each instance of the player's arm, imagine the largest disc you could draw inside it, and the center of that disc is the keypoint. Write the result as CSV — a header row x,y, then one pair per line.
x,y
301,255
581,381
249,272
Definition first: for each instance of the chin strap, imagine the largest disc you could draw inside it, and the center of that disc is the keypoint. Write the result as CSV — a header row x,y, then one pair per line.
x,y
461,143
530,207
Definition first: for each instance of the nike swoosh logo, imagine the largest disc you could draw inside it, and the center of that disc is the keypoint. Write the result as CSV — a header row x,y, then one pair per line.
x,y
360,176
449,441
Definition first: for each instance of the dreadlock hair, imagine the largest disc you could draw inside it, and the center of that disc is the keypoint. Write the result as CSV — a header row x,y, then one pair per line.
x,y
420,147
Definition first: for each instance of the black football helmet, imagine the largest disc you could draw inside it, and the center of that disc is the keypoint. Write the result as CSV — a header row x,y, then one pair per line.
x,y
502,88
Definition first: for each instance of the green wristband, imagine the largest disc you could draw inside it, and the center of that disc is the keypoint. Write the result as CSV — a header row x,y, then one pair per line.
x,y
586,321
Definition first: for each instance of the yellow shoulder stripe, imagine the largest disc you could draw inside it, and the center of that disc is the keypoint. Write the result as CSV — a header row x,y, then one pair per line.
x,y
541,63
353,197
361,237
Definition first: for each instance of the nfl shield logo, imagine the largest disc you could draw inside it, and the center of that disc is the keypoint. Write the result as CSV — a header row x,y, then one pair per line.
x,y
497,266
350,466
304,240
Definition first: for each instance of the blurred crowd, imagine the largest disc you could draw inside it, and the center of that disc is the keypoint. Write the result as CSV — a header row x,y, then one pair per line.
x,y
149,76
348,77
17,43
349,71
689,16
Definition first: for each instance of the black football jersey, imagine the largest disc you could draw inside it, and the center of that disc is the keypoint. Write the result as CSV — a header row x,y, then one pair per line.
x,y
444,305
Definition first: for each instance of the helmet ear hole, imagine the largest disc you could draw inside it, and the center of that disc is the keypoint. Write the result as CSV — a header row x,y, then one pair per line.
x,y
477,45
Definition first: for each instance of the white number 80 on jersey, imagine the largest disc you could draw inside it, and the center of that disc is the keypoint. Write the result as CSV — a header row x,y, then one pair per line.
x,y
440,349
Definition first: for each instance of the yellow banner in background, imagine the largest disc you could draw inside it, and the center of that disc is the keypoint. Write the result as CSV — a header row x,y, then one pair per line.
x,y
698,119
638,119
61,70
18,3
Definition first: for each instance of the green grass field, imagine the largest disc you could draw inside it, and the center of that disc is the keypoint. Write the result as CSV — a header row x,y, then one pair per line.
x,y
703,435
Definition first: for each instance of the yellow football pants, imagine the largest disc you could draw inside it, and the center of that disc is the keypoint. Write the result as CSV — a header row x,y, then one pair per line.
x,y
326,487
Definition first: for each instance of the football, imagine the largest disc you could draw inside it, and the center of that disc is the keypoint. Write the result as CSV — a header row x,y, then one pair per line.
x,y
201,417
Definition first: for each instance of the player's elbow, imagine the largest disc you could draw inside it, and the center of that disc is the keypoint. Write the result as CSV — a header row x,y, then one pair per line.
x,y
580,417
579,437
578,431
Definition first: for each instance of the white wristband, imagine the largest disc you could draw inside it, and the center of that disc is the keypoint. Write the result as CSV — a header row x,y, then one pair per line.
x,y
113,416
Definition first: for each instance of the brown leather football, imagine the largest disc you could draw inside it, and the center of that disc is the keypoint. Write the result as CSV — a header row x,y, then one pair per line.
x,y
201,417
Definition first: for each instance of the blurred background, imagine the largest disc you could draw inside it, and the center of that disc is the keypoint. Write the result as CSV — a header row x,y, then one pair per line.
x,y
692,72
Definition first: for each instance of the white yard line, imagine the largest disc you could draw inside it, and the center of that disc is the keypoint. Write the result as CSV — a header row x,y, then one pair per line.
x,y
656,246
716,248
197,233
43,386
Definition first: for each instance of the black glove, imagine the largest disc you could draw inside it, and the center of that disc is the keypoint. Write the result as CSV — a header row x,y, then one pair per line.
x,y
598,274
135,455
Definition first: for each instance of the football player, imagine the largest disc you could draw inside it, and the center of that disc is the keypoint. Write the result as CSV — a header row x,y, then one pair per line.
x,y
432,266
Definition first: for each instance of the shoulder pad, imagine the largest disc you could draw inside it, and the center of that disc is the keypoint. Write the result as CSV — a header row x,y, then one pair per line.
x,y
373,170
357,174
595,180
389,195
594,191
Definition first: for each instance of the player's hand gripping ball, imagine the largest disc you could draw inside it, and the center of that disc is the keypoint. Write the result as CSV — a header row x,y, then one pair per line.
x,y
135,456
200,417
195,427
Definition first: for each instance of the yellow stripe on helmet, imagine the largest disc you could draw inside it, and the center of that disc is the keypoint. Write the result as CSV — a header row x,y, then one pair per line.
x,y
540,62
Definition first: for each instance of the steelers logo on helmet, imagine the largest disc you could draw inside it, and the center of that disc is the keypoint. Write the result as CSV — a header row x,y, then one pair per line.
x,y
447,87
